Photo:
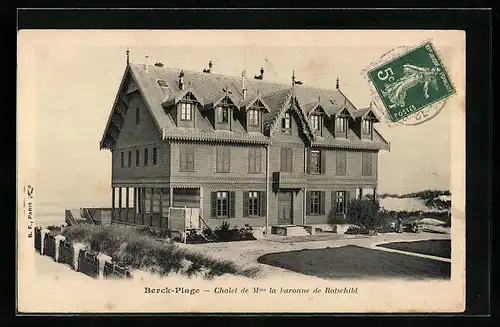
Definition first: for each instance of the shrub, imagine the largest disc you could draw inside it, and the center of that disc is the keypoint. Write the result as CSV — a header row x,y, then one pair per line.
x,y
364,213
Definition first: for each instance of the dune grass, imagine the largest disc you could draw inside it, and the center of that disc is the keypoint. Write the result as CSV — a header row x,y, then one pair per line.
x,y
136,249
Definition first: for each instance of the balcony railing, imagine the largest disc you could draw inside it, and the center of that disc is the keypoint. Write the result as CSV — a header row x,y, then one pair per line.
x,y
286,180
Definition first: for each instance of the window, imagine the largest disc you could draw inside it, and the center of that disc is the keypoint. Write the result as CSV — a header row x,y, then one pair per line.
x,y
315,122
137,116
367,168
222,204
187,158
187,111
162,83
122,159
222,115
286,123
137,158
155,156
254,160
315,204
341,163
253,204
340,124
223,160
286,160
146,159
367,127
315,165
253,117
340,202
130,158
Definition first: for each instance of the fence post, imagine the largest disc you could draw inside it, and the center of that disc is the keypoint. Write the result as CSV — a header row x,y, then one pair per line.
x,y
43,232
76,253
102,261
58,240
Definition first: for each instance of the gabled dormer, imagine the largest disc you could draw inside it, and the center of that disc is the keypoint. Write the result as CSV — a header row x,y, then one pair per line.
x,y
363,123
341,122
317,117
251,114
220,112
182,106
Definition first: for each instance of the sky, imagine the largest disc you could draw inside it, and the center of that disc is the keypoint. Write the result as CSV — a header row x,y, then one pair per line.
x,y
70,80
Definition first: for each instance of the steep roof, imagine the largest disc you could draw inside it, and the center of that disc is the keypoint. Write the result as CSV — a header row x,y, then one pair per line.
x,y
209,87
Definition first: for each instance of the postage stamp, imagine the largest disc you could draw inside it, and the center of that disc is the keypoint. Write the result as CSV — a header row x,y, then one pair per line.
x,y
411,82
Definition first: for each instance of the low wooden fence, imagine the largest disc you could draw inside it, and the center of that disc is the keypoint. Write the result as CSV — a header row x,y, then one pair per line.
x,y
82,260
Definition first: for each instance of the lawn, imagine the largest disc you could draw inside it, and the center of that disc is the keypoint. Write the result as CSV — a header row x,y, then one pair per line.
x,y
357,262
437,248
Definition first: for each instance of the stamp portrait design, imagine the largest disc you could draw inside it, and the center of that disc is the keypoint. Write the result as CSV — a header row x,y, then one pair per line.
x,y
411,82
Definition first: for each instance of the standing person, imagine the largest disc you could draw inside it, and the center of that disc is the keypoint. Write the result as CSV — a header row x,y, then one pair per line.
x,y
399,225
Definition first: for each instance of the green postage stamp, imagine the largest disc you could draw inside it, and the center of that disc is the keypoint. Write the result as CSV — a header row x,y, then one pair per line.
x,y
411,82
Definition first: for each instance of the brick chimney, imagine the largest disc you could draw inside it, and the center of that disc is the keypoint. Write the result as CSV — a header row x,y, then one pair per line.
x,y
181,80
243,86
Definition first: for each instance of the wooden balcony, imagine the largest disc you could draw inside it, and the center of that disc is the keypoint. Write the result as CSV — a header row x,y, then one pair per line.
x,y
285,180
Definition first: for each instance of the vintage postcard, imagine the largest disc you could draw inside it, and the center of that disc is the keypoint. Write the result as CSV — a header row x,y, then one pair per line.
x,y
223,171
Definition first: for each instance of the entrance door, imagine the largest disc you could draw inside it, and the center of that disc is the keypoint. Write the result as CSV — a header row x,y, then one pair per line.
x,y
284,208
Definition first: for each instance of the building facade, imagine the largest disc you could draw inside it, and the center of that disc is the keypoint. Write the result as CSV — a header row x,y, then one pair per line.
x,y
241,150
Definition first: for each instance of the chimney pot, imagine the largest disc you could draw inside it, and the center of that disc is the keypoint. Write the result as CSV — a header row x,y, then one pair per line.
x,y
262,71
181,80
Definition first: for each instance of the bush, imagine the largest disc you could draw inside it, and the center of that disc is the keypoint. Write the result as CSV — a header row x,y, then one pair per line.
x,y
366,214
356,230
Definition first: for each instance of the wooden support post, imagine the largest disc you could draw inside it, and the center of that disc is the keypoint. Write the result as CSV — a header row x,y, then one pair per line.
x,y
161,205
143,204
151,200
171,202
135,203
374,194
360,193
120,204
127,206
112,203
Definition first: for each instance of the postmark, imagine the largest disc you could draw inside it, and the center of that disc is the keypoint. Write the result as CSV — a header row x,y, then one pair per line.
x,y
410,85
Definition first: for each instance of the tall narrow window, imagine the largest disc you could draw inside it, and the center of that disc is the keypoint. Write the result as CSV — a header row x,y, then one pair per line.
x,y
254,160
137,158
137,116
340,124
340,202
222,115
286,123
130,158
315,202
122,159
315,122
367,127
222,204
367,168
155,156
253,204
341,163
187,158
223,159
146,159
286,160
187,111
253,117
315,167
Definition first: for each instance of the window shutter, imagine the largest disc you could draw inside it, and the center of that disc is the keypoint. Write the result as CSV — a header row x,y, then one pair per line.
x,y
290,160
282,159
228,160
323,161
347,199
308,203
259,160
308,168
333,202
250,166
232,196
245,204
263,203
322,202
214,205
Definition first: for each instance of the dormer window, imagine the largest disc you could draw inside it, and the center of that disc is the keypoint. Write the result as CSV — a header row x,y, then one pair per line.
x,y
286,123
222,115
315,122
340,124
253,117
367,127
187,110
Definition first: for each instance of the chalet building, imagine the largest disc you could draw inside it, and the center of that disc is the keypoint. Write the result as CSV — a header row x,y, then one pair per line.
x,y
240,149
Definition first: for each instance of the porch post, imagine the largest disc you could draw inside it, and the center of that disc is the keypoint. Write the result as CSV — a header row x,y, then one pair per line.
x,y
360,193
143,204
127,206
374,194
170,203
112,203
135,204
161,206
267,190
304,196
120,203
151,200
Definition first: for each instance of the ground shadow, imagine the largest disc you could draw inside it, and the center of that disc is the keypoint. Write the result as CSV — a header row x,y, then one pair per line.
x,y
437,248
357,262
